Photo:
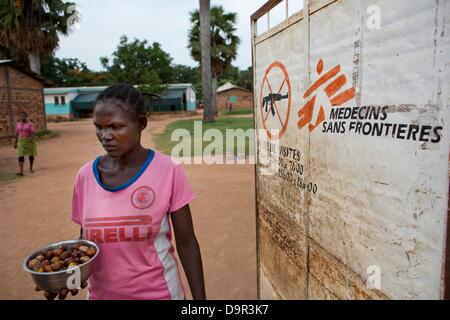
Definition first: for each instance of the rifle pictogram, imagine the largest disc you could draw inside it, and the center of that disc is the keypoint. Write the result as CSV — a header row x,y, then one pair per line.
x,y
271,98
271,102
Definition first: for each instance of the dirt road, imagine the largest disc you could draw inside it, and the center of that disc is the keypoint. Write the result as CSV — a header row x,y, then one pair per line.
x,y
35,210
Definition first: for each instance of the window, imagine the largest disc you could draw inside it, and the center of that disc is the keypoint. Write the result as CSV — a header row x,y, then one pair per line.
x,y
63,100
56,100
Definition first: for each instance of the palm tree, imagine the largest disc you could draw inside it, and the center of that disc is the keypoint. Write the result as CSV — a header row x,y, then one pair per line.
x,y
205,47
224,43
34,26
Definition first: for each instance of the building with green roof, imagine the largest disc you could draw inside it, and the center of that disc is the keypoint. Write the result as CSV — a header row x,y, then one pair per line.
x,y
79,101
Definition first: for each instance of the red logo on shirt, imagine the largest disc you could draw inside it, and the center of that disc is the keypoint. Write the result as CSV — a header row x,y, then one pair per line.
x,y
118,229
143,197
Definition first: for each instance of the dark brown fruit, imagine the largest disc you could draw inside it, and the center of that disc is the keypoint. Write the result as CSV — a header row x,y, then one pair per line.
x,y
63,294
57,252
91,252
55,259
68,260
75,253
64,255
48,268
57,265
49,254
50,296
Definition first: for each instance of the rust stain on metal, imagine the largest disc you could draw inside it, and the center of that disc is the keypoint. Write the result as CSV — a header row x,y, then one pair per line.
x,y
284,234
337,279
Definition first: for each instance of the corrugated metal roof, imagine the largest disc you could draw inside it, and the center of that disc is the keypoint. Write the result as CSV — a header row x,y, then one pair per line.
x,y
73,89
62,90
84,101
228,86
91,97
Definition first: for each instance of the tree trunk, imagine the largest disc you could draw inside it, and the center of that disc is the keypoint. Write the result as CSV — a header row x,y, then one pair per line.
x,y
214,96
35,62
205,39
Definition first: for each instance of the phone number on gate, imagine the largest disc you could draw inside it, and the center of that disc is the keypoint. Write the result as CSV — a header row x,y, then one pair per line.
x,y
297,181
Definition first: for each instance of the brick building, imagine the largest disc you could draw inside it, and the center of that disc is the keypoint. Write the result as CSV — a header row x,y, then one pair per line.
x,y
240,98
20,90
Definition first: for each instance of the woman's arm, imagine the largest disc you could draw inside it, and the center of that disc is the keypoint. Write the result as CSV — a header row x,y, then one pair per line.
x,y
189,251
33,131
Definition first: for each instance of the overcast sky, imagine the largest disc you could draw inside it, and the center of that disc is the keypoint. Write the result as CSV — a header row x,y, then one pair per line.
x,y
163,21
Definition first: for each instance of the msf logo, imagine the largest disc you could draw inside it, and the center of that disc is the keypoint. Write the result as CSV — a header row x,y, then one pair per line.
x,y
313,112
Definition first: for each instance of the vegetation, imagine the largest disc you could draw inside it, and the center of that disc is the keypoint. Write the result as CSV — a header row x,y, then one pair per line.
x,y
223,45
6,177
42,134
165,144
237,112
30,29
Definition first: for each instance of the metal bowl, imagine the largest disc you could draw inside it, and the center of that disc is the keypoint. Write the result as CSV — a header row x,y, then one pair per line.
x,y
55,281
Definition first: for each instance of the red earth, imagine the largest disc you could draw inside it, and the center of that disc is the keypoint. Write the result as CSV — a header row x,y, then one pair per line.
x,y
35,211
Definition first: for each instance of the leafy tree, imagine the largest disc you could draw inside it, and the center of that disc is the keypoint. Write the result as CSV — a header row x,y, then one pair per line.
x,y
245,78
224,42
187,74
69,72
138,63
33,27
241,78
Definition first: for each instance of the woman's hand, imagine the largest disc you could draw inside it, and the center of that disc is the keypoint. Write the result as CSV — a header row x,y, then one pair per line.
x,y
62,294
15,145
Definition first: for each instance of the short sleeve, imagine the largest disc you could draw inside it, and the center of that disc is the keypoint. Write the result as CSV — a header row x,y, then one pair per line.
x,y
76,212
32,128
182,193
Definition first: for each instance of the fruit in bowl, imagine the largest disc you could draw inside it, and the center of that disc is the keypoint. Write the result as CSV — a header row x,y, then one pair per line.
x,y
54,266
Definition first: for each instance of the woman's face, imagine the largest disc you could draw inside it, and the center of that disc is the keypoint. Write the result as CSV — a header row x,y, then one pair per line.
x,y
23,117
118,131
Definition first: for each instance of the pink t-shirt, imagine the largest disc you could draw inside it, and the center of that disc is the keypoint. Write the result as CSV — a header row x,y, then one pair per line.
x,y
131,225
25,130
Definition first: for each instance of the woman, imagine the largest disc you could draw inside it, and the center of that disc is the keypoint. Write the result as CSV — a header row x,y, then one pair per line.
x,y
25,144
124,201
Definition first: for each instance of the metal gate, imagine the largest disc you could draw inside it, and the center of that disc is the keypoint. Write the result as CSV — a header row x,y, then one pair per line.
x,y
352,98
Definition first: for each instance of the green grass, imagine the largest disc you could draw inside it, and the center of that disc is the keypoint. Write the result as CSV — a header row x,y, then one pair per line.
x,y
165,145
42,134
237,112
6,177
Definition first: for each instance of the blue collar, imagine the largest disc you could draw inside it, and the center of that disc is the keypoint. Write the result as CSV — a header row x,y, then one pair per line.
x,y
147,162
